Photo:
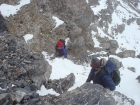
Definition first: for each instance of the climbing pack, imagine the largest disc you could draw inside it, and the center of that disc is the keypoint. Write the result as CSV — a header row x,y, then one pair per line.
x,y
59,44
116,73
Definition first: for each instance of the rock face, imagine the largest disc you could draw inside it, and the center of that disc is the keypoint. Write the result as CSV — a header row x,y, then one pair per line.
x,y
93,2
126,54
76,11
10,2
3,26
89,94
21,72
4,97
110,45
17,63
34,22
38,20
138,21
61,85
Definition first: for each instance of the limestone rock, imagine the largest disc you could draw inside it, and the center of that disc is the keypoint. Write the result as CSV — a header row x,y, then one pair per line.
x,y
61,85
17,63
37,20
138,56
132,69
10,2
5,99
77,11
3,26
88,94
138,21
93,2
126,53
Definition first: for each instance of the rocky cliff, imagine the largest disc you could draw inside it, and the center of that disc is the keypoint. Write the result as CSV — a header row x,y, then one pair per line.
x,y
23,67
79,21
37,18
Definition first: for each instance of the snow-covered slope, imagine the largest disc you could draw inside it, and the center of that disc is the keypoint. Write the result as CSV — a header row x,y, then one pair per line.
x,y
122,13
129,86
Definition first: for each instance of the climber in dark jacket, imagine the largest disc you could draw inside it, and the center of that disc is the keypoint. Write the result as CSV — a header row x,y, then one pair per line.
x,y
61,48
95,74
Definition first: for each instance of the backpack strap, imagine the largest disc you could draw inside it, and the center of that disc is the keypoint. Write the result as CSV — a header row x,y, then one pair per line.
x,y
102,72
103,62
96,73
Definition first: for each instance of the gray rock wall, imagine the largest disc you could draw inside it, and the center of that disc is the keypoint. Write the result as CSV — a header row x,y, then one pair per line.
x,y
36,18
17,63
88,94
10,2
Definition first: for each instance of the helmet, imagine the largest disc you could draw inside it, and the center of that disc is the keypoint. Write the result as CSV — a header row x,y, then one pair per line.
x,y
95,62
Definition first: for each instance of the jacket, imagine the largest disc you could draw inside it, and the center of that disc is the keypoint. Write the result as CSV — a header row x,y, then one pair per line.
x,y
61,46
104,80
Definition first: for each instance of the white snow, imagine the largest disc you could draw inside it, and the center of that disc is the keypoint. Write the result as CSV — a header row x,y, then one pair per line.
x,y
128,8
129,39
102,34
96,43
28,37
66,40
129,86
58,21
8,10
98,8
43,91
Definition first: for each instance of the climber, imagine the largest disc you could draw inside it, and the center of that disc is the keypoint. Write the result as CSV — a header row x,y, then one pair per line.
x,y
95,74
60,49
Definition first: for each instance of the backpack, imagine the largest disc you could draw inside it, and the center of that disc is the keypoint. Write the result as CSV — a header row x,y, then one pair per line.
x,y
116,73
59,44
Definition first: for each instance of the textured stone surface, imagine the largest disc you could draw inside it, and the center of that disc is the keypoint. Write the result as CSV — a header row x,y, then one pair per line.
x,y
77,11
17,62
126,53
10,2
93,2
61,85
89,94
3,26
37,20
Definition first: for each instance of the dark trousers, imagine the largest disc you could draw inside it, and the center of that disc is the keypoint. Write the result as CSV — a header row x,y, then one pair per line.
x,y
58,53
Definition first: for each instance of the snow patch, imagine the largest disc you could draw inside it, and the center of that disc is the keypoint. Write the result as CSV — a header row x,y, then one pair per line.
x,y
98,8
58,21
28,37
7,10
43,91
96,43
